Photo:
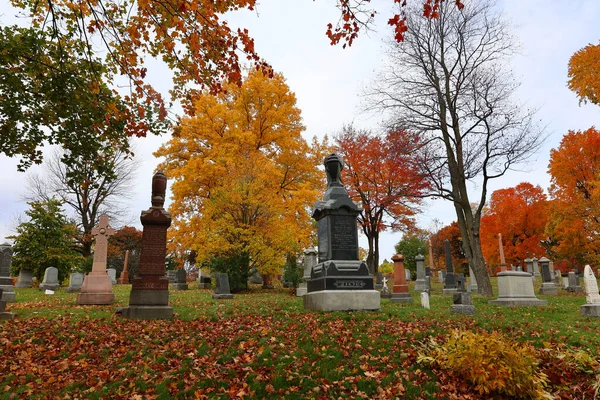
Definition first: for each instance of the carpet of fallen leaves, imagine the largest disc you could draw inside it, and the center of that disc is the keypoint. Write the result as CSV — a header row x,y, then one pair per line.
x,y
281,354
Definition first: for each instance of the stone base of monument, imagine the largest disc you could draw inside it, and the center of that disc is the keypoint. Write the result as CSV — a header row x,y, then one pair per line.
x,y
71,289
222,296
401,298
124,278
301,290
342,300
49,286
575,289
420,285
8,293
449,292
148,304
590,310
515,289
548,288
179,286
95,290
464,309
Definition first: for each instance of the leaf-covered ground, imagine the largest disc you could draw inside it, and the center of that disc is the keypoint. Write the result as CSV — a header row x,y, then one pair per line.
x,y
263,344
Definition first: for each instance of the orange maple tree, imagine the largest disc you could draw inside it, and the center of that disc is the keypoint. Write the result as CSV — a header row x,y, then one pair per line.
x,y
584,73
382,175
575,218
520,215
438,239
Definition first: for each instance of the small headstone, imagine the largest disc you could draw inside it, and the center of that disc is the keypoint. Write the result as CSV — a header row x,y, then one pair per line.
x,y
565,282
385,291
519,268
222,290
50,279
557,278
6,282
441,276
548,287
574,285
420,285
75,282
400,292
407,275
180,280
112,274
172,276
25,279
427,271
4,315
462,303
536,270
428,283
425,300
460,282
378,281
592,306
528,265
310,260
48,291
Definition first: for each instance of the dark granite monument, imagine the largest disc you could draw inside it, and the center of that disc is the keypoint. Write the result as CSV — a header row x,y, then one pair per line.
x,y
449,281
548,287
340,281
222,289
149,298
180,280
462,303
6,285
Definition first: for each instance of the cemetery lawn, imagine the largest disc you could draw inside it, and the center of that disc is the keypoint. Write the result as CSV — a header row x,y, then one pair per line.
x,y
263,344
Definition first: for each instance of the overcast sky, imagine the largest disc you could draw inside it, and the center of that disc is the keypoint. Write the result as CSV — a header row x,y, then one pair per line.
x,y
327,80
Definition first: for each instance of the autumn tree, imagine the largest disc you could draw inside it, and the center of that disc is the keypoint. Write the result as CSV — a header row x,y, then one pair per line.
x,y
86,47
126,238
89,186
584,74
574,223
382,177
448,80
520,214
452,234
243,178
46,239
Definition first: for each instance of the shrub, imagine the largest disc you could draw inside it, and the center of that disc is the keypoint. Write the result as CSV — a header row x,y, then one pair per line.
x,y
490,362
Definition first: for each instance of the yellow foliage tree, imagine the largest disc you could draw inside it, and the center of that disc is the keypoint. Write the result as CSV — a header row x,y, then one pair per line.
x,y
584,74
244,178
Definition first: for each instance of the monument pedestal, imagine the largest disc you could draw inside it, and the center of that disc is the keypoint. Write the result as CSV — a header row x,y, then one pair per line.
x,y
401,298
548,288
449,292
301,290
590,310
515,289
96,289
342,300
149,299
8,292
124,278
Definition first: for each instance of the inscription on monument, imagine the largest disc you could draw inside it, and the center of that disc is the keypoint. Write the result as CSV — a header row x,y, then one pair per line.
x,y
154,240
349,284
344,240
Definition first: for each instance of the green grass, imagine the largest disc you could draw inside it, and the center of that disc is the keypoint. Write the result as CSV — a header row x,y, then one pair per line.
x,y
261,344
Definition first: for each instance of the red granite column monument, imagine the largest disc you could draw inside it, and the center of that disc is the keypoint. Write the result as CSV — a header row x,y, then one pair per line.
x,y
124,278
149,298
502,261
400,293
97,286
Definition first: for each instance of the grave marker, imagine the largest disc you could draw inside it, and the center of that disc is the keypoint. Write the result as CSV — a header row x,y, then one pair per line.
x,y
4,315
97,285
515,289
50,279
420,284
180,280
592,308
400,292
25,278
75,282
8,291
548,287
222,290
449,280
310,260
573,283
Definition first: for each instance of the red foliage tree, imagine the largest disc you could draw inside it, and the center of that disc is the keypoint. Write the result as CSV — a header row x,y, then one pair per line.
x,y
382,175
520,214
452,234
126,238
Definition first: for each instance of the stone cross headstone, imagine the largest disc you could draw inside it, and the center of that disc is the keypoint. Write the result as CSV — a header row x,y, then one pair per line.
x,y
449,280
97,285
400,292
420,285
112,274
502,260
8,291
149,297
124,277
4,315
592,298
25,279
385,291
180,280
574,285
75,282
340,281
50,281
222,290
425,300
473,281
548,287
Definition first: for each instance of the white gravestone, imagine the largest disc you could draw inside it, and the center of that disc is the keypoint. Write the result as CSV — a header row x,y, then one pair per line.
x,y
425,300
592,308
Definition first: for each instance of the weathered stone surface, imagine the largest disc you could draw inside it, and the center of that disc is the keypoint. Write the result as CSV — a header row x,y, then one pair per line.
x,y
50,281
343,300
222,290
112,274
425,300
574,285
516,289
75,282
25,279
591,286
6,282
420,285
4,315
180,280
151,276
310,260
